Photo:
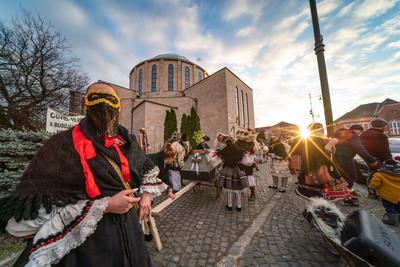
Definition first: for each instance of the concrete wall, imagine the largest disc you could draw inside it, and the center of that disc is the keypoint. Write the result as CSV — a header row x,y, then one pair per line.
x,y
151,116
138,119
183,104
154,125
246,106
211,95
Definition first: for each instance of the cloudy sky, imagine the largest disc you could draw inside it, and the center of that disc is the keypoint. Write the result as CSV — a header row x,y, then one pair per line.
x,y
268,44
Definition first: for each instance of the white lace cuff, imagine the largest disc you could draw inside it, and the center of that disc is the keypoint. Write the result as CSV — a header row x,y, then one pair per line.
x,y
65,231
152,184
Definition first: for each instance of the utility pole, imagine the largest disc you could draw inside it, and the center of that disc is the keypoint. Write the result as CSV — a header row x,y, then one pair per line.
x,y
311,108
323,77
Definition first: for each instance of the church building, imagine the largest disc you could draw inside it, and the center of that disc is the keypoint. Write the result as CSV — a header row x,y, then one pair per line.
x,y
222,100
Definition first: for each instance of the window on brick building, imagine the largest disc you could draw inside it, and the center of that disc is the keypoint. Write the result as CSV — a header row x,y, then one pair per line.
x,y
140,82
187,77
199,76
154,78
170,77
394,127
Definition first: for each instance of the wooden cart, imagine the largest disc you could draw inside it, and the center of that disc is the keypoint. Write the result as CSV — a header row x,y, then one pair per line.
x,y
204,172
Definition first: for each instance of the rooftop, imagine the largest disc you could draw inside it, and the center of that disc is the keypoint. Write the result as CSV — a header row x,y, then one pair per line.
x,y
167,56
171,56
366,110
283,125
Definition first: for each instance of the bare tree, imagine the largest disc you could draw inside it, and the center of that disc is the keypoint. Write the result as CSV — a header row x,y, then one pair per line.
x,y
36,71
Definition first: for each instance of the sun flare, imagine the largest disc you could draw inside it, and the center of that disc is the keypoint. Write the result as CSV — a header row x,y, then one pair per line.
x,y
305,133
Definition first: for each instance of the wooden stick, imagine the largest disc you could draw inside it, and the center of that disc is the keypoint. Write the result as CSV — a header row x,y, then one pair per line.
x,y
154,232
168,201
159,208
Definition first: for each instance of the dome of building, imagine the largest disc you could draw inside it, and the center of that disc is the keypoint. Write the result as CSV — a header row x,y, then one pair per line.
x,y
171,56
165,75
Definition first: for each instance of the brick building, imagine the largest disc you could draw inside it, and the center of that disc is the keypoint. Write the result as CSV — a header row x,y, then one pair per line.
x,y
388,110
223,101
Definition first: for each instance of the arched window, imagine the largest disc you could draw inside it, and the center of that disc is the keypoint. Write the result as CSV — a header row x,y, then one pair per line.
x,y
170,77
187,77
140,82
199,76
154,78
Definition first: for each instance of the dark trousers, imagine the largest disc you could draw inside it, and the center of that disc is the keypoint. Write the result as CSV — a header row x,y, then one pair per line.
x,y
390,207
348,171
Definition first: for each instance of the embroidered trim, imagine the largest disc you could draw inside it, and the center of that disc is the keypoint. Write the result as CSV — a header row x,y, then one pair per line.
x,y
101,100
151,183
52,249
52,238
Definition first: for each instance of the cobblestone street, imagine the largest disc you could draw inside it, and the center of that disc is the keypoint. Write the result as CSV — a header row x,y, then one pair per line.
x,y
287,239
196,230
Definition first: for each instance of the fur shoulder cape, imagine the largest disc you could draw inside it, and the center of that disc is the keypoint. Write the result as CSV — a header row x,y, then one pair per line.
x,y
55,176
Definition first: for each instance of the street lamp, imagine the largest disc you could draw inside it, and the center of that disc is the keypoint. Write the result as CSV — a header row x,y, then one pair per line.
x,y
319,51
312,113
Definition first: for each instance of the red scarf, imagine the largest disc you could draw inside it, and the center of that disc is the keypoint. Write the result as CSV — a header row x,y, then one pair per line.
x,y
86,151
116,142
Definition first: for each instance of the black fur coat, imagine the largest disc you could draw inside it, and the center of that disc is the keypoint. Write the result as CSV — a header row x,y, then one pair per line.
x,y
55,175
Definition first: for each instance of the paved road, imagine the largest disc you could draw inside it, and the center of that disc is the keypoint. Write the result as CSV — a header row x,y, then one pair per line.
x,y
196,230
286,239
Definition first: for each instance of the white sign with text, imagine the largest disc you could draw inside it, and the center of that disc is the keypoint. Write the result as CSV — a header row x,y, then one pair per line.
x,y
57,122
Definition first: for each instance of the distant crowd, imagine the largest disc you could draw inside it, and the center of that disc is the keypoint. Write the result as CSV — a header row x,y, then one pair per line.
x,y
324,166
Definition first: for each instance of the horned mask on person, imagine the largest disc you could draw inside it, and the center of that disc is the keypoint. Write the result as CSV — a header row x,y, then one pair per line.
x,y
103,106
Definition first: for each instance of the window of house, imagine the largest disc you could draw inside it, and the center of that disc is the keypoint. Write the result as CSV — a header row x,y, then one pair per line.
x,y
199,76
187,77
170,77
154,78
140,82
394,127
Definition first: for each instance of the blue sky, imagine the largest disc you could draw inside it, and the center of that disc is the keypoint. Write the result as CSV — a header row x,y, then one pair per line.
x,y
268,44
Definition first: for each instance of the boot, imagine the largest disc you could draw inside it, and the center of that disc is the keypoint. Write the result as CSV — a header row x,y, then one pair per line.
x,y
275,179
284,184
252,193
391,219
